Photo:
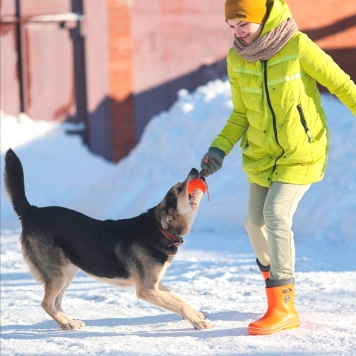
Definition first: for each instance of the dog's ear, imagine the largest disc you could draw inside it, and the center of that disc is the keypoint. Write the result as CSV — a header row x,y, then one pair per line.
x,y
165,220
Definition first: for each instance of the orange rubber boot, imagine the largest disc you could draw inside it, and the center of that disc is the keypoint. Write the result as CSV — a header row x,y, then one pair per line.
x,y
280,314
265,274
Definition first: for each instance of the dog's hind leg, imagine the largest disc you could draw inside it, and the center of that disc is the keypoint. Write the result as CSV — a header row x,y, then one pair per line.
x,y
71,272
51,302
50,267
73,324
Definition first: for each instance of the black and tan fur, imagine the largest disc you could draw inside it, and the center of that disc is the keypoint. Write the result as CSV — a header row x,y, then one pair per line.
x,y
56,242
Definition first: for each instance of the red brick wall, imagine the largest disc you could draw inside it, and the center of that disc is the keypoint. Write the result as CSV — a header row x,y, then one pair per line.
x,y
121,81
174,38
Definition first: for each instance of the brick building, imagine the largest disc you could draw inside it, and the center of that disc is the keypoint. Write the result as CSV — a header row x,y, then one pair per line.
x,y
114,64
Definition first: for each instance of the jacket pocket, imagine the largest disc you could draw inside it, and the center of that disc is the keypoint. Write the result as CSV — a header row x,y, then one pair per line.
x,y
304,122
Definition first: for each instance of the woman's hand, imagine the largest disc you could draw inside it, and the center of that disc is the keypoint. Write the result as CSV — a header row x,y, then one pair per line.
x,y
212,161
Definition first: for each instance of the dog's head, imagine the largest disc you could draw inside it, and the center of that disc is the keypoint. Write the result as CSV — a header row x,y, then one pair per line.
x,y
175,212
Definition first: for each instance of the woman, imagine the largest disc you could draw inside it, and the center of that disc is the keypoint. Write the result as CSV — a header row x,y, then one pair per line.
x,y
273,70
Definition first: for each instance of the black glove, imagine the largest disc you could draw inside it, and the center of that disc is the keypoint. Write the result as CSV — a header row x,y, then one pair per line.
x,y
212,161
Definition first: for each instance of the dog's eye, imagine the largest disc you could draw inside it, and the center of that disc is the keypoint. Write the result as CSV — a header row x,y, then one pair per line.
x,y
180,189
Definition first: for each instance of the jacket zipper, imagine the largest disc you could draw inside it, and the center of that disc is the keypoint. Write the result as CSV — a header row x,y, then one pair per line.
x,y
274,120
304,122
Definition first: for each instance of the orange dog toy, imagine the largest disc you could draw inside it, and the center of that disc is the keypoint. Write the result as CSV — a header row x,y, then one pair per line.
x,y
196,188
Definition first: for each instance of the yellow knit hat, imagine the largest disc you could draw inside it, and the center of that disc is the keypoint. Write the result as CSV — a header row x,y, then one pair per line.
x,y
246,10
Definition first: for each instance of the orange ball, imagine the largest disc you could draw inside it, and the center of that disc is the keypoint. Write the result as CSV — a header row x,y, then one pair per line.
x,y
196,184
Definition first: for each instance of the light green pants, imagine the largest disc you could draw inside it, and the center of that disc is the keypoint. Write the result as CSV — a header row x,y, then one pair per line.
x,y
269,225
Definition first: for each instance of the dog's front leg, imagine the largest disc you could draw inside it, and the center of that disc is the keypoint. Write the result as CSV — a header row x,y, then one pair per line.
x,y
167,300
196,312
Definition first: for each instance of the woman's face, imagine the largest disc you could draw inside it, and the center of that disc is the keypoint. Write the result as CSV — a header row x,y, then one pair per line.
x,y
247,31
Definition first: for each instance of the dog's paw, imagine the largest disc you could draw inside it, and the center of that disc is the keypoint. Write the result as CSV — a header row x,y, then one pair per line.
x,y
73,325
203,324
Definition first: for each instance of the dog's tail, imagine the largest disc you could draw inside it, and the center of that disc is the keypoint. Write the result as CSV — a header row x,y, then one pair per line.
x,y
14,183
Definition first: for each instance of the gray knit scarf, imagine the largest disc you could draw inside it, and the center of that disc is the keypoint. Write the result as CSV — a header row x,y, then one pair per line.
x,y
266,46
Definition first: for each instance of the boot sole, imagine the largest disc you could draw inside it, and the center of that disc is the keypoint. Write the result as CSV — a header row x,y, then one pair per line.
x,y
255,330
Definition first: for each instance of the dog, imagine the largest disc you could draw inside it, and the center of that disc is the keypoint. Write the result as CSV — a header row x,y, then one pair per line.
x,y
56,242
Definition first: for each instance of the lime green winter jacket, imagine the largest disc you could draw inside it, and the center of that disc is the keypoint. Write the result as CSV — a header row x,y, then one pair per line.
x,y
277,111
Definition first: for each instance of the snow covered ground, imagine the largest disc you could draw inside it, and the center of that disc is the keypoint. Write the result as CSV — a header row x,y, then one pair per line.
x,y
214,270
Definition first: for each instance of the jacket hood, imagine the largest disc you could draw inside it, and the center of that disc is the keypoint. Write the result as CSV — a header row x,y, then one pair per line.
x,y
279,12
